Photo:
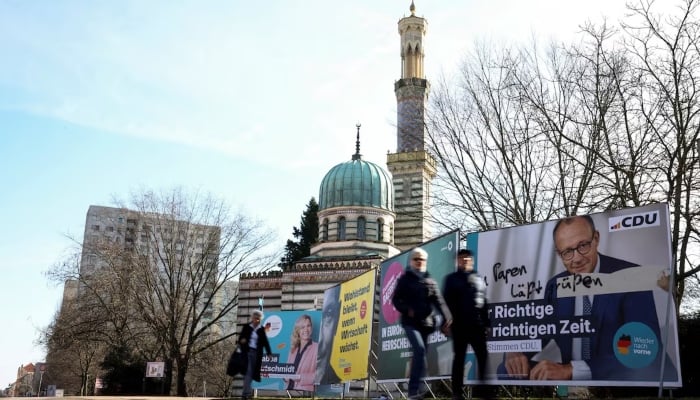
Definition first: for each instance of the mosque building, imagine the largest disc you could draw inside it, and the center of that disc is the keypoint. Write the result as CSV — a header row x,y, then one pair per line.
x,y
366,213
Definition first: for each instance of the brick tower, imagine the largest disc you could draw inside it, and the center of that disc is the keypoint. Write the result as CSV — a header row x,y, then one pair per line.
x,y
412,168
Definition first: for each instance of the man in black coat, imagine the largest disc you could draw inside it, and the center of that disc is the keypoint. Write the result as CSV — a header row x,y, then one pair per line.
x,y
464,293
253,340
417,297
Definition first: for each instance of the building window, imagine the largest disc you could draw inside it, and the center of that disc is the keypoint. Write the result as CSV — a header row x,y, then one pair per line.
x,y
325,230
95,227
341,228
380,230
361,227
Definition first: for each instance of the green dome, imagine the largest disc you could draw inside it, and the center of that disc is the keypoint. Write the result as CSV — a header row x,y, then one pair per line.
x,y
357,183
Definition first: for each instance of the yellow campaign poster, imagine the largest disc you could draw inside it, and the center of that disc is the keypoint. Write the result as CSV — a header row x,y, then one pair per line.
x,y
352,340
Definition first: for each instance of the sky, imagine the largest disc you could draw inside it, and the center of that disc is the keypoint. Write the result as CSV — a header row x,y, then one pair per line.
x,y
252,102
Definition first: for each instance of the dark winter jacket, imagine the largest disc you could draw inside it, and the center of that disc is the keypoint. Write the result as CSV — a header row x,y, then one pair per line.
x,y
263,343
419,293
465,297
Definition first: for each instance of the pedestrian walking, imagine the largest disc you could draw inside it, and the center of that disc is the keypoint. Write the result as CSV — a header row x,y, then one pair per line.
x,y
417,298
253,340
465,295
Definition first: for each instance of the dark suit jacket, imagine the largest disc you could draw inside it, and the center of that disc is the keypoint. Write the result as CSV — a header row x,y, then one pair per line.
x,y
263,343
609,313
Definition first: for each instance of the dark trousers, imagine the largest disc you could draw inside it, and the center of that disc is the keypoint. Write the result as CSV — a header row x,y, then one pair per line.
x,y
463,336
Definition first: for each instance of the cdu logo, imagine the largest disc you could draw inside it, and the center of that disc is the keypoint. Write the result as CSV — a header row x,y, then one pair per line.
x,y
634,221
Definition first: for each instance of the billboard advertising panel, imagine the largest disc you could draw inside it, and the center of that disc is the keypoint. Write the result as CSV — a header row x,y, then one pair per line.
x,y
394,350
583,299
293,337
346,331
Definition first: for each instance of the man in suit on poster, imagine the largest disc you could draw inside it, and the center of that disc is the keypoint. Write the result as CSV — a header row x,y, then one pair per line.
x,y
590,358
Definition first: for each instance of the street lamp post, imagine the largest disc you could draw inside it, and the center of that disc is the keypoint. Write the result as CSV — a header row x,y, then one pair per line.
x,y
41,377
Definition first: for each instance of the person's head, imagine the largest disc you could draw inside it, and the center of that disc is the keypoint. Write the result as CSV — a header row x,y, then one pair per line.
x,y
465,260
419,259
329,319
576,242
256,317
303,328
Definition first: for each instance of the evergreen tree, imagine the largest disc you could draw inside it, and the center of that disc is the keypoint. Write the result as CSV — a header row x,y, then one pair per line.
x,y
305,236
123,372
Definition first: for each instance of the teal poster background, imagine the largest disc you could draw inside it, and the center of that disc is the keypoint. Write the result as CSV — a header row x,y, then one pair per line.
x,y
394,351
279,326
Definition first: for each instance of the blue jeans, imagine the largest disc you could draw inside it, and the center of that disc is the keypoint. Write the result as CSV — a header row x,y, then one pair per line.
x,y
419,344
252,356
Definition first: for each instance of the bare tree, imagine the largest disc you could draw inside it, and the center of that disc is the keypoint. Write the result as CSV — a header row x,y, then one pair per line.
x,y
208,372
667,48
72,355
498,141
76,340
96,316
608,122
165,287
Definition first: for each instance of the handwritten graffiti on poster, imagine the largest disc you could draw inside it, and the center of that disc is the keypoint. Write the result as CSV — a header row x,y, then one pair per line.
x,y
583,299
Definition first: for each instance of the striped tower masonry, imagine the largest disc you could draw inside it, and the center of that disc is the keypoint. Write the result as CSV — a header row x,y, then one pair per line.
x,y
412,167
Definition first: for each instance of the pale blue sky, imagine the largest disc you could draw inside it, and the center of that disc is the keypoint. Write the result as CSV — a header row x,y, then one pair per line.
x,y
252,101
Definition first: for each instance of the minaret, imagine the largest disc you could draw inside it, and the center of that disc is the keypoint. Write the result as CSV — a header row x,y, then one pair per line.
x,y
412,168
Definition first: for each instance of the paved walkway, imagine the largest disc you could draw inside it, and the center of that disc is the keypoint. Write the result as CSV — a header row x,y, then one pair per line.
x,y
113,398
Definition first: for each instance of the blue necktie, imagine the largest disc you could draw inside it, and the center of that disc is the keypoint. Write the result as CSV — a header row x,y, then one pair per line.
x,y
586,341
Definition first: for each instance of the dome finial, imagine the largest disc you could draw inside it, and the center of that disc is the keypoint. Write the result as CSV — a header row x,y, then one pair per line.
x,y
357,155
413,9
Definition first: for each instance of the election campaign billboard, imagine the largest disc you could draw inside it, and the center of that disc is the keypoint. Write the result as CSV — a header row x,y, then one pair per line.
x,y
394,351
346,330
581,301
293,337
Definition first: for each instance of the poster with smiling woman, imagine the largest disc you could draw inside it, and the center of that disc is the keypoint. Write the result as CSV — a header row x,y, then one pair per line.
x,y
293,336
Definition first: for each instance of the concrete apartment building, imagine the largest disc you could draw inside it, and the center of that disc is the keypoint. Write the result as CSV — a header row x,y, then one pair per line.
x,y
152,237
